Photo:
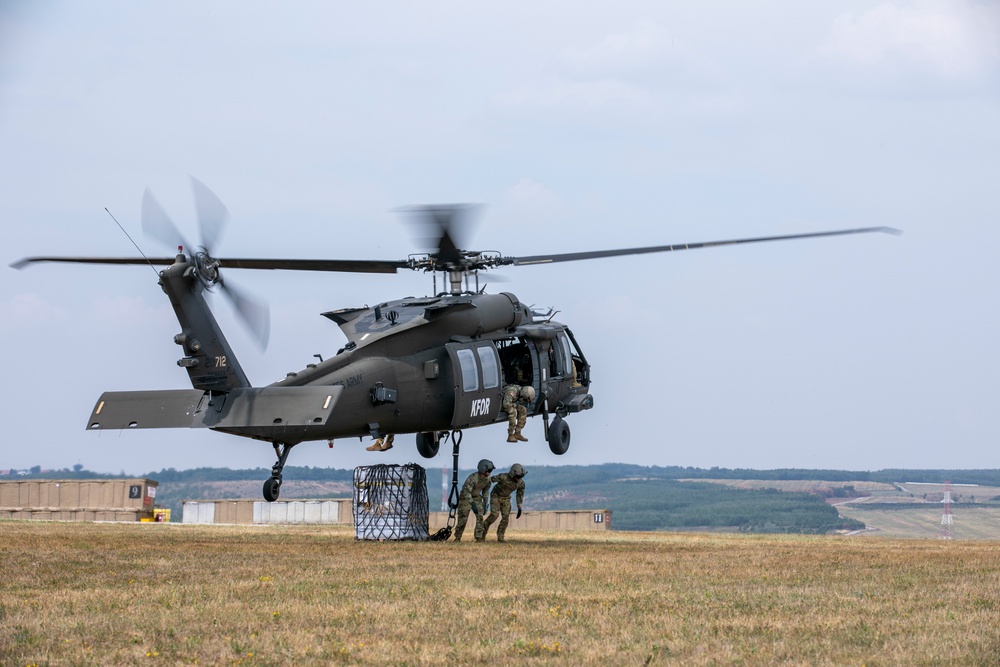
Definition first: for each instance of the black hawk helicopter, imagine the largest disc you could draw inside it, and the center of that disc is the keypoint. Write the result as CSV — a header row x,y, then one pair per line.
x,y
431,366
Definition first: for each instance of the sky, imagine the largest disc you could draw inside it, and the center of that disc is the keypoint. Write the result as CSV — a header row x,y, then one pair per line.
x,y
576,126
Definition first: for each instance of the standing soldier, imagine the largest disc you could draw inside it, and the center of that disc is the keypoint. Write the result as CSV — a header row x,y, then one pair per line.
x,y
513,397
473,497
506,483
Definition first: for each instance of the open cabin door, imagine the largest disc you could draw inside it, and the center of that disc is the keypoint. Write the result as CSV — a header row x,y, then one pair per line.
x,y
477,383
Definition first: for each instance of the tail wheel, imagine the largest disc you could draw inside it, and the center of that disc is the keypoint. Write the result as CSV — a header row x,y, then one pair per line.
x,y
428,444
559,436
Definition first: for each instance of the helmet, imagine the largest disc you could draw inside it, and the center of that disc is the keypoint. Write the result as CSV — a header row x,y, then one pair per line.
x,y
485,467
528,393
517,470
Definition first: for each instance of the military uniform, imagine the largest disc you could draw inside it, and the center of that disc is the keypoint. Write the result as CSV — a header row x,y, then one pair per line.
x,y
500,501
517,414
473,494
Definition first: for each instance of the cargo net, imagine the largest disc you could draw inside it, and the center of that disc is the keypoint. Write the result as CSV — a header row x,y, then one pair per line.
x,y
390,502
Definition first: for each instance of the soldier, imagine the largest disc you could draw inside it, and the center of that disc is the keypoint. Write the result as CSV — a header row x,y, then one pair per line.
x,y
506,483
513,398
473,497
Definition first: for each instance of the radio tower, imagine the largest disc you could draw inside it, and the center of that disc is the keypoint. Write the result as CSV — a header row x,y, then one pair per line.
x,y
444,489
947,520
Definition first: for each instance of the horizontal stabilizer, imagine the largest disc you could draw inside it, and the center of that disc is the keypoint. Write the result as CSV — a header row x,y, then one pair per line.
x,y
281,413
172,408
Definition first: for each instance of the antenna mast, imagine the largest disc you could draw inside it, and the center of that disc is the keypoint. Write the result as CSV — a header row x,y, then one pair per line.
x,y
947,520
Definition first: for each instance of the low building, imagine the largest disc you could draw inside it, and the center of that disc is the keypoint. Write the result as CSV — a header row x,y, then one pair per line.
x,y
541,520
78,500
246,511
339,511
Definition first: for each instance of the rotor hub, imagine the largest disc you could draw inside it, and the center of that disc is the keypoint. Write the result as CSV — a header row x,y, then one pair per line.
x,y
207,268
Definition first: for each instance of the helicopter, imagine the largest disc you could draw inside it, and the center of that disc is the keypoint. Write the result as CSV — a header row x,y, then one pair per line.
x,y
430,366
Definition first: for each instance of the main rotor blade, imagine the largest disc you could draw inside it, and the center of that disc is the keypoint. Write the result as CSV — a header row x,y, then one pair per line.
x,y
255,314
28,261
212,214
392,266
574,256
342,265
157,224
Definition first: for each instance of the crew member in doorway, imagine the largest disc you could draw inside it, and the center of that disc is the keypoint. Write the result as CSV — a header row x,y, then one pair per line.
x,y
515,397
520,372
382,444
473,497
506,483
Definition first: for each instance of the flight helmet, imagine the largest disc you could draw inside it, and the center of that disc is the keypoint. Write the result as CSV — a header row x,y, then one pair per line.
x,y
528,393
485,467
517,471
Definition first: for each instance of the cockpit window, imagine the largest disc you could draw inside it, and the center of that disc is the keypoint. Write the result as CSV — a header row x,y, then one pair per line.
x,y
567,356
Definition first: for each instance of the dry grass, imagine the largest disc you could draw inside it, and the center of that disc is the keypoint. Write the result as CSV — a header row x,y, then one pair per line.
x,y
122,594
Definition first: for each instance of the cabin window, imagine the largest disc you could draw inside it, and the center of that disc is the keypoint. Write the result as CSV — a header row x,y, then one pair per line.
x,y
470,374
491,369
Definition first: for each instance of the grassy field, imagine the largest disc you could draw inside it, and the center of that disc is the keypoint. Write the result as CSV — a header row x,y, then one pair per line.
x,y
148,594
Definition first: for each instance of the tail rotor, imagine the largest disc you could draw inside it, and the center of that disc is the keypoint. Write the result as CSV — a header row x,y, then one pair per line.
x,y
212,217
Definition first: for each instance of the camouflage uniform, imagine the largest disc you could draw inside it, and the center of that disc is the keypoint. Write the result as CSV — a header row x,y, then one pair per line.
x,y
473,493
500,501
517,414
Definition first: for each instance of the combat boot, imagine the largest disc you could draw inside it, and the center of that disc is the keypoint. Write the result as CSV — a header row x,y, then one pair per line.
x,y
510,435
519,437
388,442
375,446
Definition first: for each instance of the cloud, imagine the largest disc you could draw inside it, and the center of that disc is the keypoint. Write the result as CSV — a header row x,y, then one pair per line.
x,y
531,193
528,204
644,44
25,311
953,41
123,312
605,73
579,96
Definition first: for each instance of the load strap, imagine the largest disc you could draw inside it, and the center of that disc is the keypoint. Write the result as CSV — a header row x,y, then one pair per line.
x,y
445,533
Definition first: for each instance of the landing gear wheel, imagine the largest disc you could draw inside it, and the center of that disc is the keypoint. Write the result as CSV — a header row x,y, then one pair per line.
x,y
428,444
271,489
559,436
273,483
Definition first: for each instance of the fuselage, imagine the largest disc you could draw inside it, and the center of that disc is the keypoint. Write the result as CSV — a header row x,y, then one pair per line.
x,y
441,363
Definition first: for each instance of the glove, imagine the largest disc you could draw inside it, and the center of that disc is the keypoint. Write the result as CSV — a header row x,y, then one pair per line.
x,y
518,513
476,511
